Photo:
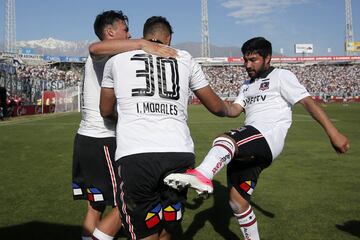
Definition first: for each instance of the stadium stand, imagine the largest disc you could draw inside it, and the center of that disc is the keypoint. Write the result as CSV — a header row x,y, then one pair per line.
x,y
26,81
324,81
328,79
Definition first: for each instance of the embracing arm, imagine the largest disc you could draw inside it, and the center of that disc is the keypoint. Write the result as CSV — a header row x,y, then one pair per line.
x,y
112,47
107,103
215,105
339,142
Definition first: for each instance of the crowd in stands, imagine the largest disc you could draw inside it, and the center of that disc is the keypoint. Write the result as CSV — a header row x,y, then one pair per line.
x,y
320,80
49,73
330,80
30,80
336,80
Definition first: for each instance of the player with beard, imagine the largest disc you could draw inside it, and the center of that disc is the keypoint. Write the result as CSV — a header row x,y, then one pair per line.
x,y
266,99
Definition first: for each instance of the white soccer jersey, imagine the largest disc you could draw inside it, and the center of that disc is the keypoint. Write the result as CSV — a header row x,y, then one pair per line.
x,y
267,103
92,124
152,97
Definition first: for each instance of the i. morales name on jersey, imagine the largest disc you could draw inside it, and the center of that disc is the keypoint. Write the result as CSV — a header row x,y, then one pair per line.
x,y
156,108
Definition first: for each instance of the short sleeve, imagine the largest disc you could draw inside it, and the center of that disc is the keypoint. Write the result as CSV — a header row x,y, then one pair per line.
x,y
108,79
241,97
290,88
198,79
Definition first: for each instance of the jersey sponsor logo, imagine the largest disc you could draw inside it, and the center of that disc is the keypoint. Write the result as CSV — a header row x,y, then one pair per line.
x,y
264,86
251,100
156,108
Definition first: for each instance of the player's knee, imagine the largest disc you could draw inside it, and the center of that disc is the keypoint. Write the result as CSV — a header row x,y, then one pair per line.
x,y
238,207
237,203
235,206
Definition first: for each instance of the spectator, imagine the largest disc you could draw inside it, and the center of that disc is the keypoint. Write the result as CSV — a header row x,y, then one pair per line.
x,y
3,110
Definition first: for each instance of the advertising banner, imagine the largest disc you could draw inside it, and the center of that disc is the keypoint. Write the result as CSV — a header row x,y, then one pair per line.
x,y
352,47
304,48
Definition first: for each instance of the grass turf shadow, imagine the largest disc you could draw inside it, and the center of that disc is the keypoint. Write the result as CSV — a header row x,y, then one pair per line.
x,y
219,215
40,231
43,231
352,227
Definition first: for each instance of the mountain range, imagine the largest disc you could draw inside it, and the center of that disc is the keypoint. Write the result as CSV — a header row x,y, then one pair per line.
x,y
51,46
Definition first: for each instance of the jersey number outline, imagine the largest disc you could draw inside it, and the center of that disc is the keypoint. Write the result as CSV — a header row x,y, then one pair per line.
x,y
148,73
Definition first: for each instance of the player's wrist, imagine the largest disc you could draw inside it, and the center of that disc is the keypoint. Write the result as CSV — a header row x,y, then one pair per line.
x,y
143,43
333,133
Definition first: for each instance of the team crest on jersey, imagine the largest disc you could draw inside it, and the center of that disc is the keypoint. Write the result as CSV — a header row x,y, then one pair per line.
x,y
248,186
264,86
154,216
173,212
94,195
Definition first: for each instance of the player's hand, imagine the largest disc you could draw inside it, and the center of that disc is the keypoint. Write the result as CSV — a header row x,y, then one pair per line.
x,y
340,143
159,49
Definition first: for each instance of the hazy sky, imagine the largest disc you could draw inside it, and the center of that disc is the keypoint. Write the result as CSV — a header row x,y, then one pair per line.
x,y
231,22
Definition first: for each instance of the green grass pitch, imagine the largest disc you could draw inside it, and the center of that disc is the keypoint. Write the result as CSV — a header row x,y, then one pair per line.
x,y
309,192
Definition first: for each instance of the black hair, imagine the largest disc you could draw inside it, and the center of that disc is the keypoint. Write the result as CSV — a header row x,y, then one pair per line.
x,y
155,24
257,45
108,18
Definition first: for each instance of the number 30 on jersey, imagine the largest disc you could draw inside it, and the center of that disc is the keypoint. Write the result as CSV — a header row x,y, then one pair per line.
x,y
162,65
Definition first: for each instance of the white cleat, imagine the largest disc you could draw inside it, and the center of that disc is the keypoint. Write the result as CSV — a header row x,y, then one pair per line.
x,y
191,178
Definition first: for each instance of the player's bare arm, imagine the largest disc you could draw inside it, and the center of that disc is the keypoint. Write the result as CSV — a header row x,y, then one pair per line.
x,y
211,101
114,46
339,142
107,103
215,105
233,109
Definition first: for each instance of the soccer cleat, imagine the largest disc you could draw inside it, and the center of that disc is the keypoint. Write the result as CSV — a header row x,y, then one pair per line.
x,y
191,178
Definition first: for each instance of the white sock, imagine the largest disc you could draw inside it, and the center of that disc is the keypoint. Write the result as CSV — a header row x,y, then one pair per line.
x,y
101,235
248,224
86,238
219,155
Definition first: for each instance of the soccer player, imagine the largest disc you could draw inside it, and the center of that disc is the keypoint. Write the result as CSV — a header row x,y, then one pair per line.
x,y
266,99
151,95
94,146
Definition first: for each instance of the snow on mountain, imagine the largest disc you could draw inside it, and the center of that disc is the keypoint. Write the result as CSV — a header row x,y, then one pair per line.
x,y
51,46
